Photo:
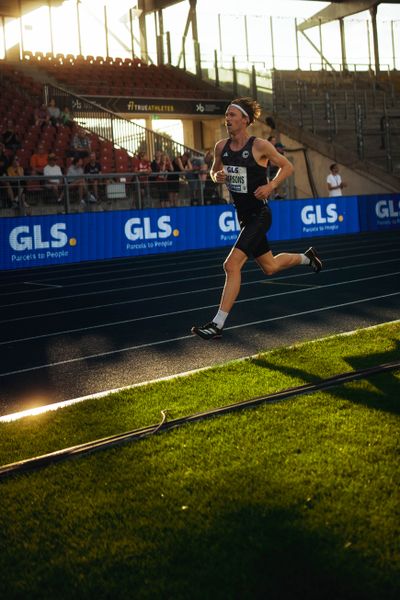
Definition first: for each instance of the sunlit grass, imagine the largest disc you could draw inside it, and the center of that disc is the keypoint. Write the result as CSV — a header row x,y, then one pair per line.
x,y
291,500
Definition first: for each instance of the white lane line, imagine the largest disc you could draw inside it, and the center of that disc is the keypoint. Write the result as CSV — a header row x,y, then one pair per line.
x,y
175,271
199,256
45,285
185,337
80,270
192,309
65,403
173,281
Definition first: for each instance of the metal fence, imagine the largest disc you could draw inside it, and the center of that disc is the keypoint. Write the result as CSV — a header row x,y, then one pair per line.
x,y
37,195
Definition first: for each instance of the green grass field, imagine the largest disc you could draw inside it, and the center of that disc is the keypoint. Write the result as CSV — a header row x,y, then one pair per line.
x,y
295,500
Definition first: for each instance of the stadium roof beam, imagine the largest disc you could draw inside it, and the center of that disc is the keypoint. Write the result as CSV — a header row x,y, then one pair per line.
x,y
148,6
338,11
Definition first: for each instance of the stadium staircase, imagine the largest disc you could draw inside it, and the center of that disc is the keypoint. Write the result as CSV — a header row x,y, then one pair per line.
x,y
352,117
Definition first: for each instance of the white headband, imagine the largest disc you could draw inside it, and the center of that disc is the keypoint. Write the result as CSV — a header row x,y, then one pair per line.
x,y
241,110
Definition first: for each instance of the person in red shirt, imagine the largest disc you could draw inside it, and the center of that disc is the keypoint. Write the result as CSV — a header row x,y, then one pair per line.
x,y
142,166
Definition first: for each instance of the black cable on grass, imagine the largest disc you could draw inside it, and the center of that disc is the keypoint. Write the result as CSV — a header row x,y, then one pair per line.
x,y
45,460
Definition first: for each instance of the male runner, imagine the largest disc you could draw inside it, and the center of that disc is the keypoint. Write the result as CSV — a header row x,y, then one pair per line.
x,y
240,161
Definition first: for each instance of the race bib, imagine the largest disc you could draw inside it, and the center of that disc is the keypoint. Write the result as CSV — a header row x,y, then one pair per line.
x,y
236,179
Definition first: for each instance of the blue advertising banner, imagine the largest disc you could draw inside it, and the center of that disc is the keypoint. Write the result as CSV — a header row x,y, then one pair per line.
x,y
56,239
379,213
294,219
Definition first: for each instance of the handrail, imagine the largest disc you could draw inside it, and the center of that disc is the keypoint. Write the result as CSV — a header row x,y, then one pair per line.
x,y
132,178
112,127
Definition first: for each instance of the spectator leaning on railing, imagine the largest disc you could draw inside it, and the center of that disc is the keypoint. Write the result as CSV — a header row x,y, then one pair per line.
x,y
54,172
17,188
142,165
77,181
93,167
161,166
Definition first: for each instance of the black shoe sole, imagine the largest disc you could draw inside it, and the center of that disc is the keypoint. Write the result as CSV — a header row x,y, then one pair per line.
x,y
314,260
208,338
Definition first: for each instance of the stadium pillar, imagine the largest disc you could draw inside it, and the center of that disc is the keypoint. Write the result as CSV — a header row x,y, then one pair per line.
x,y
78,23
216,69
297,44
343,44
106,31
21,31
393,45
3,25
320,43
142,30
159,24
131,31
272,42
373,10
169,54
51,28
234,78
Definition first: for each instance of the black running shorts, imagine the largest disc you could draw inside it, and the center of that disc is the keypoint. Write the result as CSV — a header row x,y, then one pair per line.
x,y
252,239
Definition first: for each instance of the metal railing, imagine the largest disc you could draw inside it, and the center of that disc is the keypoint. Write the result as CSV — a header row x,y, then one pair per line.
x,y
38,195
33,195
366,120
121,132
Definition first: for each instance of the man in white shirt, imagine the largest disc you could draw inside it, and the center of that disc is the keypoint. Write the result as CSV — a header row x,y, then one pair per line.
x,y
334,181
54,183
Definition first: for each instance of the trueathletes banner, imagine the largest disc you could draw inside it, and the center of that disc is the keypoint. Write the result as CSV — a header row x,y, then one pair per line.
x,y
160,106
56,239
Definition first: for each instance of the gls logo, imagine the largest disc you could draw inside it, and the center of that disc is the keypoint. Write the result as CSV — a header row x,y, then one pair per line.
x,y
386,208
22,238
140,229
228,222
310,215
232,169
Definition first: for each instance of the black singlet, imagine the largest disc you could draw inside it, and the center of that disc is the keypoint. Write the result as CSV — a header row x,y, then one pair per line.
x,y
243,176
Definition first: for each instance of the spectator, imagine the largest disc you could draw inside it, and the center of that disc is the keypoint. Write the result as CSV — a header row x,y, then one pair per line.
x,y
271,123
142,165
39,160
181,165
208,158
4,160
41,116
54,113
93,167
334,181
273,169
210,190
4,164
80,144
66,118
54,183
76,179
10,137
161,166
198,180
16,190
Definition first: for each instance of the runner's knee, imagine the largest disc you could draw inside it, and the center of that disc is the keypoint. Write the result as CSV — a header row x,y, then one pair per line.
x,y
231,266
